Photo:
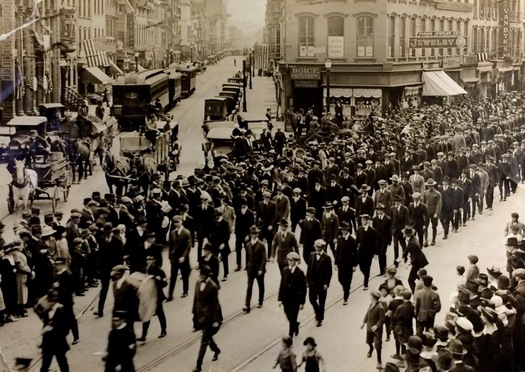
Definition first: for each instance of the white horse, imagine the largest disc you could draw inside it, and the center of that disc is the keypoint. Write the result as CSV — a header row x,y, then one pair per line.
x,y
24,183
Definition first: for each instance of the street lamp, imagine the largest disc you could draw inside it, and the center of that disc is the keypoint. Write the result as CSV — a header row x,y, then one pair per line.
x,y
136,62
328,67
251,64
244,85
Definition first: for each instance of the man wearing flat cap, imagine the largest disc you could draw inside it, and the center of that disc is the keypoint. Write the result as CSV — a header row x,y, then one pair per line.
x,y
418,215
329,226
292,292
310,231
318,276
244,220
284,242
297,208
111,254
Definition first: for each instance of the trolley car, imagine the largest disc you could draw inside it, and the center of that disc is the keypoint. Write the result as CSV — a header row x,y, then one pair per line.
x,y
189,79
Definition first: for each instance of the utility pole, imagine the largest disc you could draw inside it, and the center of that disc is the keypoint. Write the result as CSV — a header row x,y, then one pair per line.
x,y
244,109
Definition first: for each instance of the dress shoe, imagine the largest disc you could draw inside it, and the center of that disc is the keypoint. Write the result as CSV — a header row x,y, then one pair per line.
x,y
369,354
185,294
162,334
197,369
98,314
345,302
225,279
365,288
433,243
425,245
445,237
238,268
259,306
379,366
141,339
76,341
246,309
297,329
10,319
216,355
80,294
387,339
170,298
319,323
396,356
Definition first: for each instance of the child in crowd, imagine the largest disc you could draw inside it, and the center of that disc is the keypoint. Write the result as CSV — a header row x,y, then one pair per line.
x,y
286,358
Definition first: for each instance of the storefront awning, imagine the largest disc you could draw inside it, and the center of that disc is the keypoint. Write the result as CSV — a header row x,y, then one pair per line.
x,y
367,93
339,92
115,68
95,75
438,84
485,67
470,80
505,69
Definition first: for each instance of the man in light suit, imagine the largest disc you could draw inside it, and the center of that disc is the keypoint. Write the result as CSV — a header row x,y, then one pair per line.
x,y
179,252
318,277
255,267
284,242
207,315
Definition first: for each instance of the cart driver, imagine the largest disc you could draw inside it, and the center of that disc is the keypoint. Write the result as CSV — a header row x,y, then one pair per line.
x,y
37,146
151,130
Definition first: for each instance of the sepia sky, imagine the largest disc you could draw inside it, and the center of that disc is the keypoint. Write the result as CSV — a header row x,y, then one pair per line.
x,y
247,12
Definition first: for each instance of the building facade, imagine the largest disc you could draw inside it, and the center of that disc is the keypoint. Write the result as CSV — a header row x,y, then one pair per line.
x,y
381,50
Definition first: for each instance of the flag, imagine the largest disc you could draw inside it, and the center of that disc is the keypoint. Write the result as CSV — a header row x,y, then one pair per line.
x,y
19,82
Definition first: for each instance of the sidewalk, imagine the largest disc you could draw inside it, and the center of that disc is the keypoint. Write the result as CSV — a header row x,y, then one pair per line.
x,y
262,97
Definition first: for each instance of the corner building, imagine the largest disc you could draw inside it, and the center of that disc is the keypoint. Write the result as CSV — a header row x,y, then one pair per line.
x,y
377,51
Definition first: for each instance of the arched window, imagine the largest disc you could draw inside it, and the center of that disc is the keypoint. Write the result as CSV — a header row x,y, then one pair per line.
x,y
402,36
336,34
365,36
391,36
306,36
336,26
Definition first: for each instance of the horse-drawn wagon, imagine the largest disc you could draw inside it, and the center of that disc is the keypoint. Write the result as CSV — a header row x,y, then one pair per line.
x,y
34,167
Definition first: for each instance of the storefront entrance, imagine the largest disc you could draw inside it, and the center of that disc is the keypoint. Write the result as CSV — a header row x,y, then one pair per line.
x,y
306,98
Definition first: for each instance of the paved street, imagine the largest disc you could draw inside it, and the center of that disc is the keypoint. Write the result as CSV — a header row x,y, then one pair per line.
x,y
251,342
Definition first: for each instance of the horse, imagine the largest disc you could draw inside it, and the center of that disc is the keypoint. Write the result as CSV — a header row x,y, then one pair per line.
x,y
79,154
117,171
24,182
143,168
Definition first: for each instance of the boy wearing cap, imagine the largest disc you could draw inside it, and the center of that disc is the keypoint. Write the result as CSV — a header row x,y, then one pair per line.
x,y
121,344
373,320
292,292
428,304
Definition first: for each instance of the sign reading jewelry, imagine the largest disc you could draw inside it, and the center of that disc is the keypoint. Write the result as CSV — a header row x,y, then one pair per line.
x,y
438,39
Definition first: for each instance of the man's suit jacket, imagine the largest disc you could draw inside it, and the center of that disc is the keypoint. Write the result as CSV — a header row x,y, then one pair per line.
x,y
204,219
266,215
330,227
284,245
111,253
417,257
134,248
400,218
418,215
206,307
256,258
319,272
282,208
385,198
220,234
179,245
458,199
347,216
243,222
375,316
366,242
466,185
403,319
297,209
66,288
366,207
292,289
310,232
383,226
213,263
428,304
346,254
154,214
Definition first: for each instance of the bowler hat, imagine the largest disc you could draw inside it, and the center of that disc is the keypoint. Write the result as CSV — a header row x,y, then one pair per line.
x,y
254,230
456,347
364,187
283,222
108,227
345,226
415,345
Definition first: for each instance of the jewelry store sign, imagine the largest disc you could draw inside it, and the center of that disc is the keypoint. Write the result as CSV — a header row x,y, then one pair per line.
x,y
438,39
305,73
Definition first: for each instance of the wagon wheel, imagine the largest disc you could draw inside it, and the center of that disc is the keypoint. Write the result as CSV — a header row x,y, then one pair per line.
x,y
66,184
54,199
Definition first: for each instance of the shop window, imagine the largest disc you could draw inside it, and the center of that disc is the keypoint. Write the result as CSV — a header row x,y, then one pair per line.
x,y
365,36
306,36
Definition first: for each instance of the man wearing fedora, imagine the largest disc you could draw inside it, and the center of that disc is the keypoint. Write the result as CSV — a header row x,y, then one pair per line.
x,y
400,218
456,349
364,204
255,267
179,252
297,208
383,226
266,219
292,292
310,231
366,237
284,242
432,200
111,254
318,276
219,239
417,257
418,215
346,260
447,206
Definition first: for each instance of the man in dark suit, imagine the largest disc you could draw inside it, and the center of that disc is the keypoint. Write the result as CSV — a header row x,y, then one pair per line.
x,y
346,259
347,214
475,179
65,286
219,239
364,204
329,226
207,315
255,267
297,208
179,252
210,259
418,215
282,204
204,219
457,204
317,198
266,219
244,219
111,254
374,320
310,232
292,292
400,218
366,241
318,276
154,214
447,206
333,190
417,257
383,225
284,242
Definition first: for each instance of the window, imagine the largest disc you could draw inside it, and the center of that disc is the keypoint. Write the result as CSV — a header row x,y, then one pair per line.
x,y
336,26
432,28
423,28
441,28
365,36
402,37
306,37
413,34
391,36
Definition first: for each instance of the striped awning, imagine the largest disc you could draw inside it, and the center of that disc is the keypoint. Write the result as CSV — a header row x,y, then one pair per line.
x,y
95,56
482,57
116,70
